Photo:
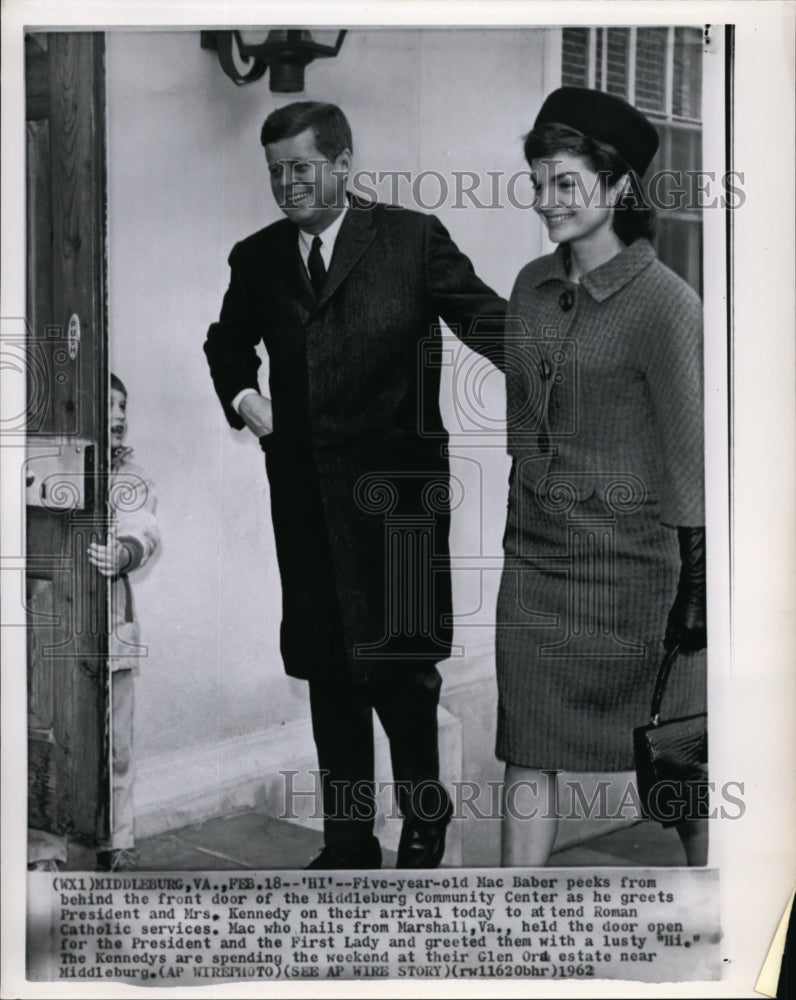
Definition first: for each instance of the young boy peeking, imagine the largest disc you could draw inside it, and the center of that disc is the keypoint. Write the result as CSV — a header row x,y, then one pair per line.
x,y
132,540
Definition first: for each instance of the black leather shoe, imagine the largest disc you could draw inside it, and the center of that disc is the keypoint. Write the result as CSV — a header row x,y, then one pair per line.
x,y
422,842
364,853
117,860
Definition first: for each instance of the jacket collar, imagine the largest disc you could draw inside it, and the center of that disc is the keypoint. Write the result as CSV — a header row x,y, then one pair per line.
x,y
609,277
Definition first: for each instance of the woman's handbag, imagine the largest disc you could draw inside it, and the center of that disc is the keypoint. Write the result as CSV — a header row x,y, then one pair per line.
x,y
671,759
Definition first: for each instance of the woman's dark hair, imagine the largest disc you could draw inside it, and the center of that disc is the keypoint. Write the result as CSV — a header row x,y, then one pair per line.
x,y
327,121
117,384
634,217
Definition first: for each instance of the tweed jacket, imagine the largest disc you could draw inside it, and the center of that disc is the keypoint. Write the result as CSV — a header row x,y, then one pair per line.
x,y
604,384
356,462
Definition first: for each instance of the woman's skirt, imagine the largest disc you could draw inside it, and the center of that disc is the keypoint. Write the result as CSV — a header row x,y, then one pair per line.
x,y
582,610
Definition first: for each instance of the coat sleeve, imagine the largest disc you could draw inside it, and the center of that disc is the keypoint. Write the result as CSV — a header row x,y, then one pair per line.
x,y
460,297
133,502
675,376
231,342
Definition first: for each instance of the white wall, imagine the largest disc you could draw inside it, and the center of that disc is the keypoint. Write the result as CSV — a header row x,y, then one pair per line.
x,y
186,180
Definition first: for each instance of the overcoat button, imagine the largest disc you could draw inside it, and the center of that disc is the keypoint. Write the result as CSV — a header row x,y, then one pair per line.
x,y
566,300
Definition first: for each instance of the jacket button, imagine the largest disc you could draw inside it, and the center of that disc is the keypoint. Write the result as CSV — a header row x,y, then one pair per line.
x,y
566,300
545,371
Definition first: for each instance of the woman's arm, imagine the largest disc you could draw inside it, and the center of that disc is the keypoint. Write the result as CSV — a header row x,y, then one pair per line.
x,y
675,377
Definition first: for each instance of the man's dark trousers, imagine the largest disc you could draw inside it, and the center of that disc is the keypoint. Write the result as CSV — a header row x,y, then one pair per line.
x,y
405,698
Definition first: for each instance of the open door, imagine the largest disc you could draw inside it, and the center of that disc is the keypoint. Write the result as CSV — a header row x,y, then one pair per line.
x,y
67,450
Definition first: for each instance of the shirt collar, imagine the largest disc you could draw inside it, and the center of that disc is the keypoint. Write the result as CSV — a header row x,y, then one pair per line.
x,y
328,236
609,277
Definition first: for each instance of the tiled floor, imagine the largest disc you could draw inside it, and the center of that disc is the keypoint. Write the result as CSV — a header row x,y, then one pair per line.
x,y
252,840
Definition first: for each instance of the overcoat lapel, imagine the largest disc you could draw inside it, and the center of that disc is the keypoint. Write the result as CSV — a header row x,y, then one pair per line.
x,y
356,234
294,280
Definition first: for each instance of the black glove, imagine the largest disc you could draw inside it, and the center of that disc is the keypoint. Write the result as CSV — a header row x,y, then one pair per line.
x,y
687,622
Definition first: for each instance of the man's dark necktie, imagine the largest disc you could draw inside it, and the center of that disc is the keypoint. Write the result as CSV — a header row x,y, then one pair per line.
x,y
316,266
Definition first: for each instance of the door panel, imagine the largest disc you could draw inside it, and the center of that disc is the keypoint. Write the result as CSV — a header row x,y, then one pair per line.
x,y
67,461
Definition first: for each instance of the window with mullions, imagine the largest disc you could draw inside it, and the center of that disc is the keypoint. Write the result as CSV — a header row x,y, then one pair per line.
x,y
659,70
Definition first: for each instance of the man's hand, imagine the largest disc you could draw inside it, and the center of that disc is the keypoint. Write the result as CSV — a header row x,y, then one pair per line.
x,y
255,411
111,559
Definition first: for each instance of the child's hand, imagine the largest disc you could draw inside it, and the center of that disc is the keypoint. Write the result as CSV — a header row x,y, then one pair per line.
x,y
111,559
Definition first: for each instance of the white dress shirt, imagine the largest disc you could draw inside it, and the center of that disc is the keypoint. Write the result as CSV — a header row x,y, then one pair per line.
x,y
328,239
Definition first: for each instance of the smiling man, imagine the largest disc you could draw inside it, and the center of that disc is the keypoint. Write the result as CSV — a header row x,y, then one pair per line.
x,y
342,293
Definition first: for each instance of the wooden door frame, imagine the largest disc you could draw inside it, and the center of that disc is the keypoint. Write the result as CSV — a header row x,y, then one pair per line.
x,y
69,763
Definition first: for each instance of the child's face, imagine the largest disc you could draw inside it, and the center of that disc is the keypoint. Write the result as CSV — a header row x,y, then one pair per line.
x,y
118,417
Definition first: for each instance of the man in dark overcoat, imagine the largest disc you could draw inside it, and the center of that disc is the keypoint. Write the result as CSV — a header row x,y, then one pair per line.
x,y
346,296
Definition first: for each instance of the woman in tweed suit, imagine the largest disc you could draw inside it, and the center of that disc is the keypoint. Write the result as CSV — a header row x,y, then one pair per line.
x,y
604,543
